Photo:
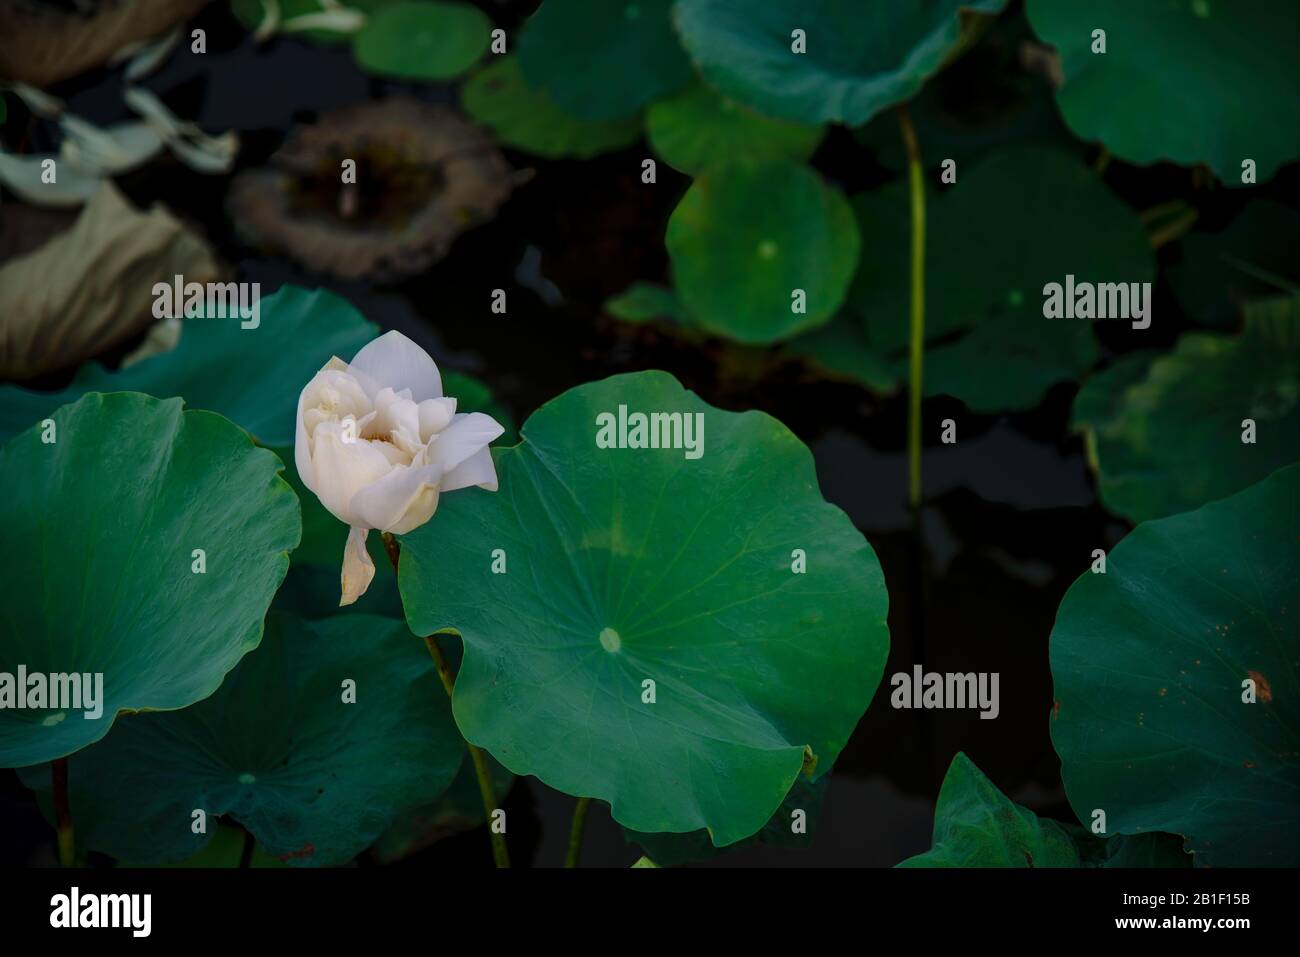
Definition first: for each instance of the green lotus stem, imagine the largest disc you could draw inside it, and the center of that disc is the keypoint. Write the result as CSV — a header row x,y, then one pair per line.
x,y
246,853
916,180
63,813
500,853
576,831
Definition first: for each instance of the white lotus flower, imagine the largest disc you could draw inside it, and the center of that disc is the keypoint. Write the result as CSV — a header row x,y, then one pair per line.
x,y
377,441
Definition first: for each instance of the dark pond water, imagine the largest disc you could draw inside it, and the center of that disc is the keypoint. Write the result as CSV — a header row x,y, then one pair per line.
x,y
1011,515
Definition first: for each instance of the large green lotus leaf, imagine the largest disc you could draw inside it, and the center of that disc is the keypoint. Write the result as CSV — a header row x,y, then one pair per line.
x,y
861,58
422,40
976,825
1176,441
1198,81
628,565
673,850
604,60
527,119
315,779
100,527
699,128
1149,661
738,260
1258,256
1024,217
251,376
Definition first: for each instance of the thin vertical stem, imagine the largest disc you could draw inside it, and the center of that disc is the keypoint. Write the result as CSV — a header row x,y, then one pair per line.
x,y
916,180
63,812
500,853
576,831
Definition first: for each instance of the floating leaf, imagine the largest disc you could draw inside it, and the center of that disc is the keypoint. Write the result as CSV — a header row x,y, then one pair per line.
x,y
526,119
740,265
673,850
1025,217
422,40
1254,258
647,302
1176,440
976,825
841,350
699,128
101,525
860,58
314,778
603,61
634,565
250,375
1150,662
1199,82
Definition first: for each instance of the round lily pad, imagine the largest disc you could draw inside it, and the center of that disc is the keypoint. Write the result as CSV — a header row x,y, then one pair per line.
x,y
762,251
1256,257
603,61
1176,440
1196,82
101,525
527,119
699,128
250,375
680,635
1021,219
1153,664
314,777
858,58
976,825
422,40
